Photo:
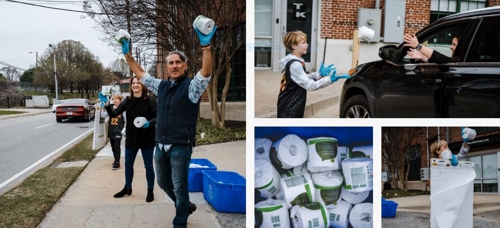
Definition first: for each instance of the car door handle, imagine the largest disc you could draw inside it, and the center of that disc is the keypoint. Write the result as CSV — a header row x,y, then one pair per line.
x,y
430,81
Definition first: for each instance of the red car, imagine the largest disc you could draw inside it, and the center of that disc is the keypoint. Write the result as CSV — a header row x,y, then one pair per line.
x,y
75,109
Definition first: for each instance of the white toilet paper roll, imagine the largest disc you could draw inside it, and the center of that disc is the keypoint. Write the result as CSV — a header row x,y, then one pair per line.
x,y
362,151
267,179
323,154
204,24
295,171
271,213
262,147
122,34
469,134
361,215
344,153
310,215
288,152
139,121
339,215
365,33
354,197
297,190
358,174
328,187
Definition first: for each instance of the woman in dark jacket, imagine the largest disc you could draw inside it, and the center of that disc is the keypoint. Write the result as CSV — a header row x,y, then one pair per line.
x,y
139,104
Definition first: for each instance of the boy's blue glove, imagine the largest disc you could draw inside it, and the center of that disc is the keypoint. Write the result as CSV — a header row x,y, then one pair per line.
x,y
103,98
454,160
205,39
125,46
325,71
334,77
146,125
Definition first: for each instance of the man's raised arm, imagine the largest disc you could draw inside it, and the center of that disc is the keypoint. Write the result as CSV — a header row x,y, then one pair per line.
x,y
134,66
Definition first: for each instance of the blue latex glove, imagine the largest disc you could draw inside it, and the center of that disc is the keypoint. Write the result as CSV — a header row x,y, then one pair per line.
x,y
125,47
334,77
454,160
146,125
103,98
325,71
205,39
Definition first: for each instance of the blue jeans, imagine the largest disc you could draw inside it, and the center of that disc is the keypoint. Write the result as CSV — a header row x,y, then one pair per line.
x,y
147,157
172,168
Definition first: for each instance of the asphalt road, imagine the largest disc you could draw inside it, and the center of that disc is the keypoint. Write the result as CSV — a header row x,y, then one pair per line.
x,y
25,141
418,219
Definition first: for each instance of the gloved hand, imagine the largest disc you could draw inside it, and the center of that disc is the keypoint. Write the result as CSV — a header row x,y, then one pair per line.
x,y
463,132
334,77
205,39
103,98
125,47
454,160
325,71
146,125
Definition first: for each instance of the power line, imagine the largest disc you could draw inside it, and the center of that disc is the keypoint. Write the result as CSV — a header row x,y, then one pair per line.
x,y
55,8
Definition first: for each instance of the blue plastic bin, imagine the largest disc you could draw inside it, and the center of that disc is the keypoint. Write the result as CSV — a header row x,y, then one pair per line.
x,y
225,191
195,176
389,209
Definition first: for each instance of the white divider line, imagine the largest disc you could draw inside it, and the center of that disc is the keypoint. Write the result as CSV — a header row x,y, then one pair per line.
x,y
42,160
44,125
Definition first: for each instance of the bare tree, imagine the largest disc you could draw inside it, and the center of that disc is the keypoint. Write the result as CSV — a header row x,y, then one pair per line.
x,y
10,73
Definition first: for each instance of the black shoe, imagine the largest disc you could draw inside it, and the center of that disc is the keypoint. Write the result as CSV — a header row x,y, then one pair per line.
x,y
192,208
116,165
124,191
151,196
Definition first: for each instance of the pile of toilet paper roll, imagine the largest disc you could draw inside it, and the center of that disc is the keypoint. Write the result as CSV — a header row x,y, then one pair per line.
x,y
314,182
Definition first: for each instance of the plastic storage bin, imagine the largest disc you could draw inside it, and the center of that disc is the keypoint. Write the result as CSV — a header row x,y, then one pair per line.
x,y
389,208
225,191
195,176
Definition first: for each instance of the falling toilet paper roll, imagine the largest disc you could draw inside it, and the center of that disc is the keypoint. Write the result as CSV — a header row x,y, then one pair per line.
x,y
358,174
361,152
469,134
328,187
271,213
267,179
354,197
365,33
310,215
139,121
361,215
297,190
204,24
323,154
262,147
288,152
339,215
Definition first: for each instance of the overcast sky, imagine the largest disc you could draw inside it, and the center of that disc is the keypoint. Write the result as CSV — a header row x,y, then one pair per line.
x,y
25,29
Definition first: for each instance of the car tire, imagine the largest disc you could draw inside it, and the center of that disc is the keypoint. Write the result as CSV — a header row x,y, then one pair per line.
x,y
356,107
58,119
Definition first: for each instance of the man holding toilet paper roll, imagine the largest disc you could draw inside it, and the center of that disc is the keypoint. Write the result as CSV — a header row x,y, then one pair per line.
x,y
178,105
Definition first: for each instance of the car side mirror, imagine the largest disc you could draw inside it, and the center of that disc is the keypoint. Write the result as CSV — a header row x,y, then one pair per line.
x,y
387,52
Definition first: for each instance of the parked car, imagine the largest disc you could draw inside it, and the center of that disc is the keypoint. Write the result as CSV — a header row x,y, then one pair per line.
x,y
75,109
55,105
466,87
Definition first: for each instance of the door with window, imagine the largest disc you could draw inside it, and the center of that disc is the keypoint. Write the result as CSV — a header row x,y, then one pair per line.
x,y
486,167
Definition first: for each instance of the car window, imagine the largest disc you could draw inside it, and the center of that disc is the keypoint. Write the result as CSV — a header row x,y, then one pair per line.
x,y
486,44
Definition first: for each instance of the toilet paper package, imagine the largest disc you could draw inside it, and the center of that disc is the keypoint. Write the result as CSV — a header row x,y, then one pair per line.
x,y
338,215
297,190
344,153
310,215
361,215
365,33
271,213
358,174
139,121
328,187
354,197
323,154
262,147
295,171
361,152
204,24
121,35
288,152
267,179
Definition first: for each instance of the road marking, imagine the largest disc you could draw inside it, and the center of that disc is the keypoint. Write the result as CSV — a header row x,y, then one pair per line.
x,y
44,125
43,159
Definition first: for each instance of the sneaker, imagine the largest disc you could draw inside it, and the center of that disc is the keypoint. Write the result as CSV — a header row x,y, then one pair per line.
x,y
116,165
192,208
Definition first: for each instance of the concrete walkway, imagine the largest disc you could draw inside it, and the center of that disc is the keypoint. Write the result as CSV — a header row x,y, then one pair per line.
x,y
422,203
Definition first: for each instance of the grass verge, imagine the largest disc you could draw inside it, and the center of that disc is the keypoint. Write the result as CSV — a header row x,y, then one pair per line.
x,y
5,112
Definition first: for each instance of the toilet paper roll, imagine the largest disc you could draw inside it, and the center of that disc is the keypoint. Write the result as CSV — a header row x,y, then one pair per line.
x,y
339,215
361,215
365,33
297,190
139,121
328,187
323,154
310,215
361,152
344,153
267,179
271,213
301,169
358,174
288,152
106,90
469,134
204,24
262,147
354,197
120,35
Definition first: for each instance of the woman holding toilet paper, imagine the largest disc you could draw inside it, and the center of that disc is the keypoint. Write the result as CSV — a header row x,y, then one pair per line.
x,y
141,119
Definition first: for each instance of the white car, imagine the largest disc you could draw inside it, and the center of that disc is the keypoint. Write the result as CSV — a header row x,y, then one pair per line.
x,y
58,102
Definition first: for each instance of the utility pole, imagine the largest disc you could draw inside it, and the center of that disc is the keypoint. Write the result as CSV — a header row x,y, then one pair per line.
x,y
55,71
36,69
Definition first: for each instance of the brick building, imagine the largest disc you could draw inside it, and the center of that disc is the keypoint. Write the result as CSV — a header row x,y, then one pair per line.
x,y
484,152
337,19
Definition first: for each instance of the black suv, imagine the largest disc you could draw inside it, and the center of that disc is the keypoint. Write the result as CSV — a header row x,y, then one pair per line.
x,y
466,87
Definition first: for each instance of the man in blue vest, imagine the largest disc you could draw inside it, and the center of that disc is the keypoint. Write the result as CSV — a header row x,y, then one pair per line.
x,y
178,105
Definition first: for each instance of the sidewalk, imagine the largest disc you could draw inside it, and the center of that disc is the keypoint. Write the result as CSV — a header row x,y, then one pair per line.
x,y
323,103
422,203
89,200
